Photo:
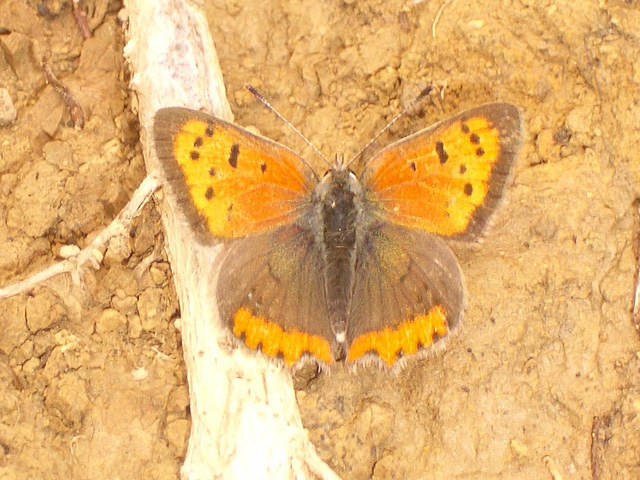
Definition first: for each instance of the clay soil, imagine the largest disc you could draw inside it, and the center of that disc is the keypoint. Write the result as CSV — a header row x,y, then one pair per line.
x,y
541,381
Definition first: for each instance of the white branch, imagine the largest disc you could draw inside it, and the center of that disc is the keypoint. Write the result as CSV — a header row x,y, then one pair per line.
x,y
246,422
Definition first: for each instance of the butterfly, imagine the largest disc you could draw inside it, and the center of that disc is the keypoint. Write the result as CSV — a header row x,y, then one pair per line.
x,y
339,267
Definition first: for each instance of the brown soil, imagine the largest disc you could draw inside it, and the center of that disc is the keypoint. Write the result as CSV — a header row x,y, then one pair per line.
x,y
542,381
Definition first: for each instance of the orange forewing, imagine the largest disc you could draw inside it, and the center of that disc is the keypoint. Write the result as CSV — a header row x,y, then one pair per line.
x,y
447,179
238,183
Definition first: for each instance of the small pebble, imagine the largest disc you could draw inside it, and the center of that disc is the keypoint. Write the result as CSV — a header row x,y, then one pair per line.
x,y
68,251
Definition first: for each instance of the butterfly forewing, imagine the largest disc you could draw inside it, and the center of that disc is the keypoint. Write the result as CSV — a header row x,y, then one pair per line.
x,y
449,178
230,182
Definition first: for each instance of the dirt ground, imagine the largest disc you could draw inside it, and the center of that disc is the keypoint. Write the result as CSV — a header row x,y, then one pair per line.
x,y
543,379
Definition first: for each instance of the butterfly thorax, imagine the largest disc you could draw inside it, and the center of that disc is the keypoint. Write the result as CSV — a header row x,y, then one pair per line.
x,y
339,199
338,203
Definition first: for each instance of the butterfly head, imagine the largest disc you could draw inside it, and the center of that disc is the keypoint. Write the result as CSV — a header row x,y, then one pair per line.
x,y
339,177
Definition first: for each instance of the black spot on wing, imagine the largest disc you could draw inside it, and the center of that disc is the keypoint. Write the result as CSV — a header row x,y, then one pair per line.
x,y
442,154
233,156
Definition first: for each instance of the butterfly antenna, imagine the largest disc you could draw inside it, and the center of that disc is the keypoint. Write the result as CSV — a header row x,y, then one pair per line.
x,y
404,111
266,103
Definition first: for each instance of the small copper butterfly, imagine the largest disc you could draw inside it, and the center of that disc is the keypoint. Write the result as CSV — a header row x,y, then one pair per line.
x,y
341,267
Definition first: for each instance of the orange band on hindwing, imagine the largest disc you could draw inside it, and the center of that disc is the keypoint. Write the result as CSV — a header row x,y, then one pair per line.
x,y
408,337
272,340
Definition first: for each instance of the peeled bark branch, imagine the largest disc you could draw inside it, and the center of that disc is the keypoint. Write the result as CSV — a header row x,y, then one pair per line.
x,y
246,422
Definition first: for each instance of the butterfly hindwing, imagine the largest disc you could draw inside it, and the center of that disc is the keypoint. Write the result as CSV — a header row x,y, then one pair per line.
x,y
271,294
449,178
229,182
409,292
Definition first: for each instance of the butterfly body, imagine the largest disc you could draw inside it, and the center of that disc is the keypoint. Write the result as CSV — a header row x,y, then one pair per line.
x,y
346,267
339,201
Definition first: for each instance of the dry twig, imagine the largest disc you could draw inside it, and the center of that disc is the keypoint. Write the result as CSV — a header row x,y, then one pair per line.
x,y
75,110
81,19
91,253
